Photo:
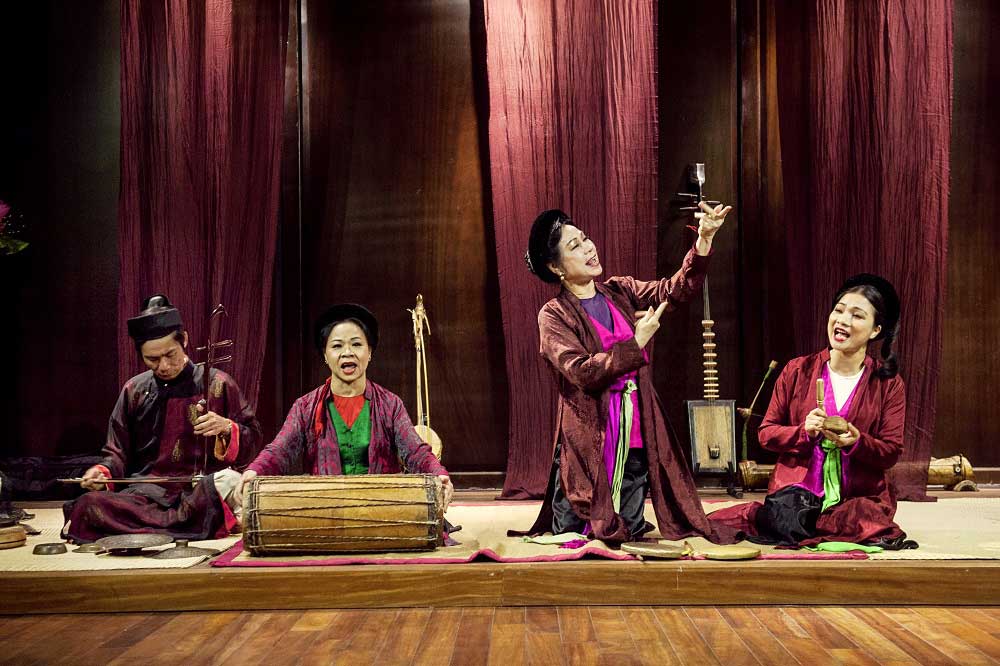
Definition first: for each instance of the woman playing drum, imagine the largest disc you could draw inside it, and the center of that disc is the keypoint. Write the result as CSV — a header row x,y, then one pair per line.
x,y
827,485
350,424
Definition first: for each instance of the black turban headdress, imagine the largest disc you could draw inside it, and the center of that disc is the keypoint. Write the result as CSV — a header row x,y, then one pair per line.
x,y
344,312
539,255
158,319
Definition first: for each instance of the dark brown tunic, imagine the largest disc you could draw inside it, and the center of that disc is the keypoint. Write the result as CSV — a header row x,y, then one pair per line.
x,y
150,433
584,372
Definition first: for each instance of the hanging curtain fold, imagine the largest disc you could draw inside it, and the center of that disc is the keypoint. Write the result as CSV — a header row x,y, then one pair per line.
x,y
201,104
572,125
864,99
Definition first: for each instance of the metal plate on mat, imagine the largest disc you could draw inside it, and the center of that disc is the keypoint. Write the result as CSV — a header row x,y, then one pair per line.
x,y
132,544
664,551
731,553
182,550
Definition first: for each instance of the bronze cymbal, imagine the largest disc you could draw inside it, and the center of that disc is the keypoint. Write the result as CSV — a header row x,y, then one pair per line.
x,y
133,544
182,550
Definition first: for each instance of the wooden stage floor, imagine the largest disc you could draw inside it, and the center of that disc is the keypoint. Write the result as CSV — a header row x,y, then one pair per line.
x,y
491,584
546,636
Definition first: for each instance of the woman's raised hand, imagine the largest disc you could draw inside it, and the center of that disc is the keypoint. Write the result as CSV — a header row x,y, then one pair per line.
x,y
648,324
814,422
710,219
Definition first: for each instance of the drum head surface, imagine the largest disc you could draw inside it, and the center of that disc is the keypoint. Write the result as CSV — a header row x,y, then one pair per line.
x,y
731,553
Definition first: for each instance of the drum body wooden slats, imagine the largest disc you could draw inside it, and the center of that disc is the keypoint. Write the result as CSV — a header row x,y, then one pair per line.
x,y
340,514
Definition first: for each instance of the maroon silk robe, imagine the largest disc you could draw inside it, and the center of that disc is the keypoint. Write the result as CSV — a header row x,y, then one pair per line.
x,y
584,372
878,411
308,443
150,433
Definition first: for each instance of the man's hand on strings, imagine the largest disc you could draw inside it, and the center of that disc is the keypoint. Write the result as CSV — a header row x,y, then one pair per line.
x,y
92,479
211,424
647,326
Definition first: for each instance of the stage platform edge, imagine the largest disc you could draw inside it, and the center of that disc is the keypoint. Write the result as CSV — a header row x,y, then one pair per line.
x,y
587,582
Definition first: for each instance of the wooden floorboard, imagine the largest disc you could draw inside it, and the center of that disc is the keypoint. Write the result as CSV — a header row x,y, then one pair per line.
x,y
727,635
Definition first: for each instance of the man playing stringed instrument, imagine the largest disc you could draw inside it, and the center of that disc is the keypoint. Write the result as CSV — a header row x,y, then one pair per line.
x,y
160,428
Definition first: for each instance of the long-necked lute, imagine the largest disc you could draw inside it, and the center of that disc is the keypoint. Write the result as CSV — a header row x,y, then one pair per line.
x,y
423,425
712,422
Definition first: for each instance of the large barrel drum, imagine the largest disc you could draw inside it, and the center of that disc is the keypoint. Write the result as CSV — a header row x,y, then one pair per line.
x,y
339,514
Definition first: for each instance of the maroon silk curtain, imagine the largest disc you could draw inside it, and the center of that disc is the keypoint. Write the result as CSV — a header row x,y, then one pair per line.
x,y
865,126
572,125
201,103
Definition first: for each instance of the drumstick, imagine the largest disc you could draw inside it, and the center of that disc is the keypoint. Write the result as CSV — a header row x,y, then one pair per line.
x,y
820,393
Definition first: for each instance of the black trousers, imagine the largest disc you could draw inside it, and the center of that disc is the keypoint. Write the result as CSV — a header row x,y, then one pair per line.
x,y
635,482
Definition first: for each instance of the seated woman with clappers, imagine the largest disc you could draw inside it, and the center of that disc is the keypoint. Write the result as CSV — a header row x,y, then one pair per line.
x,y
611,435
836,422
350,425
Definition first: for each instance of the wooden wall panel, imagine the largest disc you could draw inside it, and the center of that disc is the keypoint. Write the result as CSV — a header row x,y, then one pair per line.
x,y
969,387
393,206
764,309
770,145
697,121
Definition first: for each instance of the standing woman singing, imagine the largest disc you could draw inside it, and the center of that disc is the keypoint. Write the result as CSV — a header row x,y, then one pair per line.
x,y
611,441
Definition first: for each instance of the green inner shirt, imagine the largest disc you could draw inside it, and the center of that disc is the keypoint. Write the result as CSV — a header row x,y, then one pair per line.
x,y
353,441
